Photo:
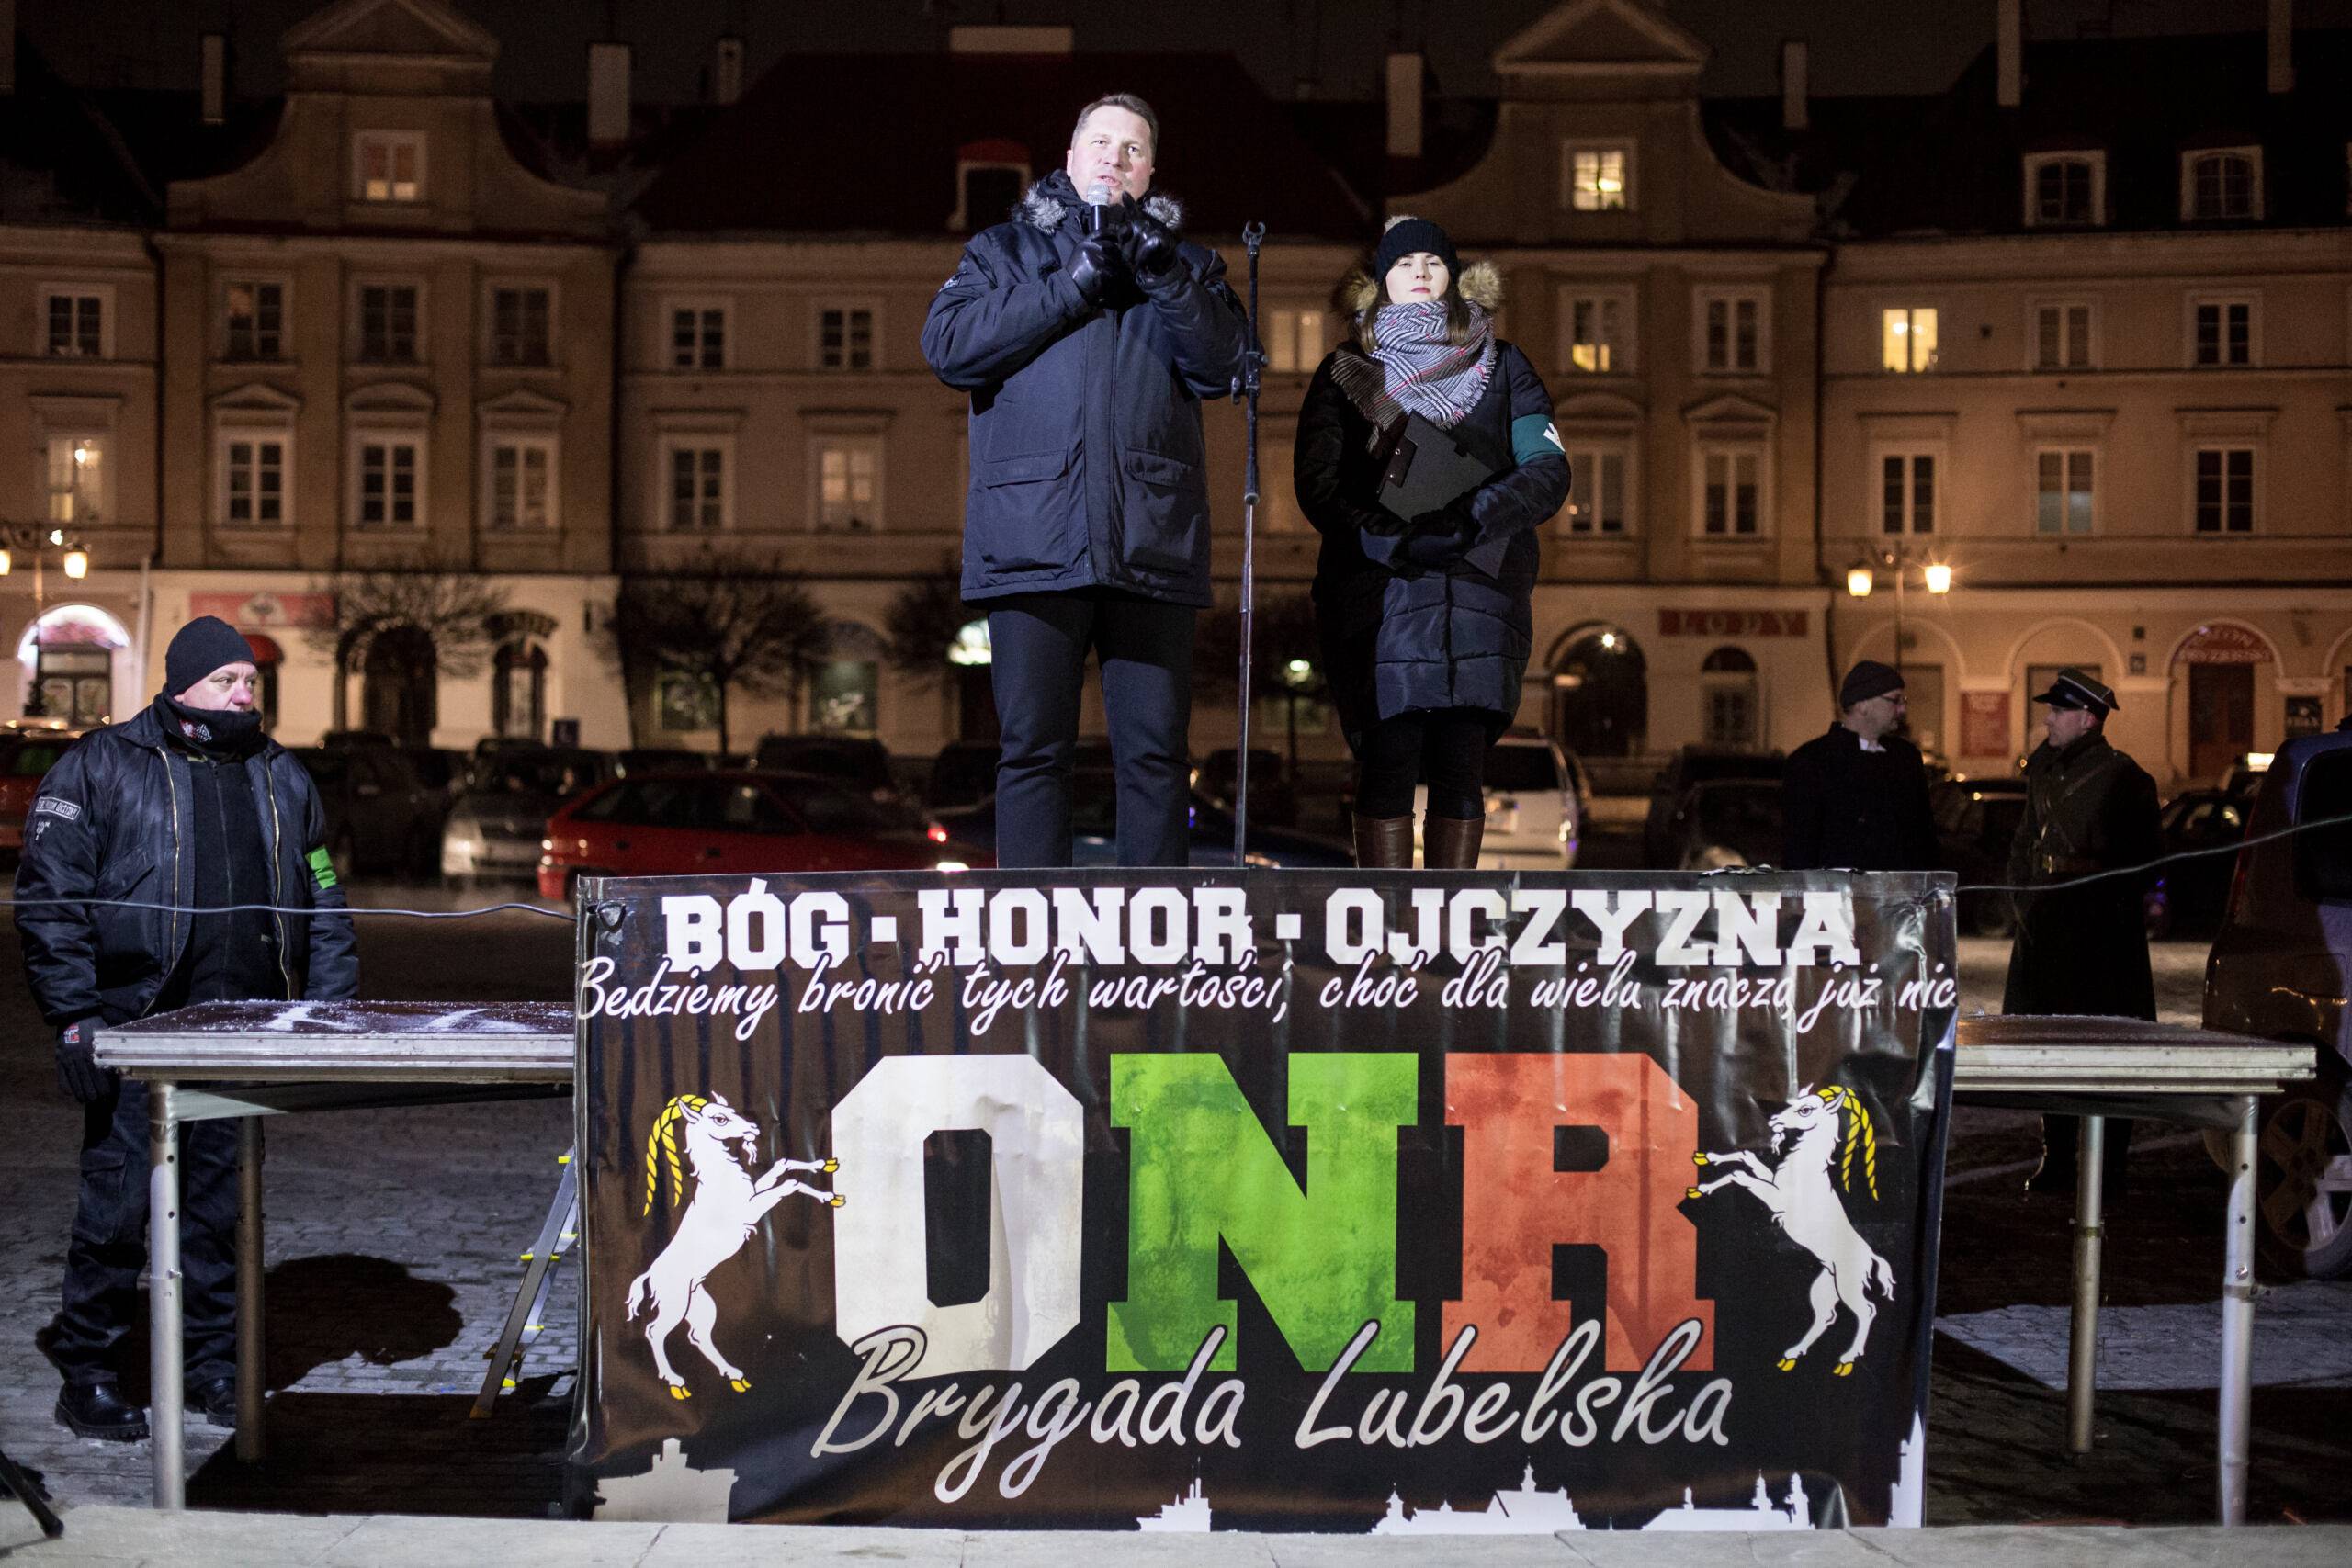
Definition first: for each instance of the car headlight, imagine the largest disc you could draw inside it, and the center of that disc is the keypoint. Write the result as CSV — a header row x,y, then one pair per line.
x,y
951,865
1262,863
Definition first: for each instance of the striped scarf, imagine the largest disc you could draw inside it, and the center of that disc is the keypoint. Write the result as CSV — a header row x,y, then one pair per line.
x,y
1414,369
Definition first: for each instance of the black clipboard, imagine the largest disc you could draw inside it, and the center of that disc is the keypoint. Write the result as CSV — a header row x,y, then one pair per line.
x,y
1427,470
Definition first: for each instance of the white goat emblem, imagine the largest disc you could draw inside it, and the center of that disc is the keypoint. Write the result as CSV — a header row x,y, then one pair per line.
x,y
727,1202
1806,1204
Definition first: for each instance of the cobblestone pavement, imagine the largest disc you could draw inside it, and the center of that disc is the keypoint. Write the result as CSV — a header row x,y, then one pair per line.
x,y
393,1235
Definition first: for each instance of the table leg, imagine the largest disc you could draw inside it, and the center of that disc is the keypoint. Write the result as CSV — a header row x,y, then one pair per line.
x,y
2082,1361
165,1396
2238,1318
252,1346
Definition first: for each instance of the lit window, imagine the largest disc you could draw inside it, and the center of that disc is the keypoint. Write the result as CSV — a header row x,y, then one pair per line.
x,y
1908,338
1734,494
77,326
845,340
1597,498
2222,186
699,337
2224,331
392,166
256,320
2062,492
387,484
77,479
519,326
1908,493
2062,337
1598,338
849,484
388,323
1294,341
698,488
2225,490
1596,179
521,485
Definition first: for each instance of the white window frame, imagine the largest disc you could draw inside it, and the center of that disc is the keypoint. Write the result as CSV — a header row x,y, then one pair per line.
x,y
2196,301
363,142
1625,349
2062,303
850,441
53,438
1587,456
701,304
1939,500
368,434
817,313
694,441
2037,161
1910,313
2065,450
226,433
423,336
2259,456
1287,353
537,441
2188,162
102,292
1731,297
1626,146
1704,451
491,289
285,287
960,221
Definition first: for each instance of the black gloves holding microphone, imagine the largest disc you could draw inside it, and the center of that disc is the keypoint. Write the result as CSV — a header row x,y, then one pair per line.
x,y
1132,244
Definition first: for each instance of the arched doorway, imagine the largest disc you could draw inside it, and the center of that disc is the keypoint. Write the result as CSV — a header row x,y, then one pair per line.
x,y
1727,686
1600,694
400,686
518,691
68,657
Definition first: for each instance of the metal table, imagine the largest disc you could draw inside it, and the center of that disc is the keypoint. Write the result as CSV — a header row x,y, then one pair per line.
x,y
253,1059
2098,1067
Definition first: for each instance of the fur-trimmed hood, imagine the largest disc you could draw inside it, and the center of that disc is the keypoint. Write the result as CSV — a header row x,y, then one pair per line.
x,y
1052,198
1357,292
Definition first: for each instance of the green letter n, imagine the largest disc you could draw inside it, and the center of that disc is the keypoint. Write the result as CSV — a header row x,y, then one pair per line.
x,y
1324,1261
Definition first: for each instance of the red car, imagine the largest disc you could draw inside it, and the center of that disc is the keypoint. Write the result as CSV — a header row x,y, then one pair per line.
x,y
26,752
681,824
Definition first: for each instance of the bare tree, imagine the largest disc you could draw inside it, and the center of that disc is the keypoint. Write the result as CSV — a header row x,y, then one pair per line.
x,y
740,621
925,619
452,608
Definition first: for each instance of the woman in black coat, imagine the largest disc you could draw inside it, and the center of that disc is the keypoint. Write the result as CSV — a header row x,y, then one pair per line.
x,y
1425,622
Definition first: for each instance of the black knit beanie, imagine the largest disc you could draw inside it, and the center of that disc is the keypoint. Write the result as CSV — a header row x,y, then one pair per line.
x,y
202,647
1407,236
1867,680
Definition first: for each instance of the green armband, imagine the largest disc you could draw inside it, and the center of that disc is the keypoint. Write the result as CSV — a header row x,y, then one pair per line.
x,y
322,869
1531,436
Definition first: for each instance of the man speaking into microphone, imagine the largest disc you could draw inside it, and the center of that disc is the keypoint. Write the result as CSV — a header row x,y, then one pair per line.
x,y
1087,333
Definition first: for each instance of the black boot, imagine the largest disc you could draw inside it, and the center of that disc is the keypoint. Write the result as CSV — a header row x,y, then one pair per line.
x,y
215,1399
98,1410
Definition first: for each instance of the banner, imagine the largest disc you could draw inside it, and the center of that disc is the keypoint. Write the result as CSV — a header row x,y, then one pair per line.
x,y
1335,1201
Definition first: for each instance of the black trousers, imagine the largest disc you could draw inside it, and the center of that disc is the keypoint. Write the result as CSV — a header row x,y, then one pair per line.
x,y
1038,646
1444,749
107,1253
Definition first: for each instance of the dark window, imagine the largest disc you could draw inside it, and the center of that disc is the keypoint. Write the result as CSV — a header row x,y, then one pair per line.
x,y
845,340
2225,490
2222,186
388,323
989,192
519,327
256,320
2062,192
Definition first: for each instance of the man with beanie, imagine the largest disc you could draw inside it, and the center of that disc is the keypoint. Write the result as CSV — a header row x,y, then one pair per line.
x,y
137,831
2082,947
1085,331
1857,797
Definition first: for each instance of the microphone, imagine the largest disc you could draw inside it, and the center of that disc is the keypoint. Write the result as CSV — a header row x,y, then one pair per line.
x,y
1099,200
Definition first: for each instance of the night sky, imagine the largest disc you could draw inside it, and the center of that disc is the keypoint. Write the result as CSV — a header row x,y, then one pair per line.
x,y
1859,46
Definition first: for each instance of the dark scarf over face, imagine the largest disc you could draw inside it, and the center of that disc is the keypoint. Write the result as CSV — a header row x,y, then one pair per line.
x,y
216,733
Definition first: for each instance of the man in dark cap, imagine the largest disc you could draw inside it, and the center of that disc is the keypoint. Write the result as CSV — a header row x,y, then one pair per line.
x,y
185,808
2081,949
1857,797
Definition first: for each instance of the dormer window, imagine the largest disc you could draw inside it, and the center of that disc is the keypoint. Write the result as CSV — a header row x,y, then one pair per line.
x,y
2065,190
2222,185
990,176
1596,176
388,166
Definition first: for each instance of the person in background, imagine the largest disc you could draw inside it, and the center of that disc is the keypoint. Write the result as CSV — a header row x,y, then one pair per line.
x,y
1857,797
138,832
1424,645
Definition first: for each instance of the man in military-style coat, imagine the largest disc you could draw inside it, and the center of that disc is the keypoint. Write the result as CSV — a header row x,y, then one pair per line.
x,y
2081,950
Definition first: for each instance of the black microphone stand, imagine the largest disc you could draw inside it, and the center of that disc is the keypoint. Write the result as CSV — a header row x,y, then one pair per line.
x,y
1253,237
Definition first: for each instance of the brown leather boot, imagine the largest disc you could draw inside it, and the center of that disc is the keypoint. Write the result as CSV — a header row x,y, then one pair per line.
x,y
1450,843
1385,843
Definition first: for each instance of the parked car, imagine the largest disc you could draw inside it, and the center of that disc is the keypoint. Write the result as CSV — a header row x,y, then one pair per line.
x,y
641,759
705,823
1975,820
964,773
2187,898
1534,796
2281,969
438,766
1722,824
25,754
381,816
1094,825
861,764
1273,795
498,821
1691,765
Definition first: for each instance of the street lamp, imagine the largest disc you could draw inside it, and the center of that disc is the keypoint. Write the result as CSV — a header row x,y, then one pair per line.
x,y
1935,576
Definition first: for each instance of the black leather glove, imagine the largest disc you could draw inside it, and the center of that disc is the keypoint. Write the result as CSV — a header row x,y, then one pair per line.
x,y
1092,267
1439,539
78,1073
1150,248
